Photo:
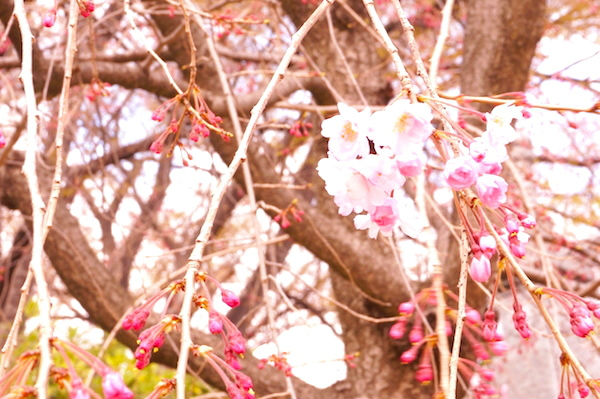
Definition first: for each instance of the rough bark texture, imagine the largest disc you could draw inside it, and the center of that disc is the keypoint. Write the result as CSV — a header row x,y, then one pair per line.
x,y
499,44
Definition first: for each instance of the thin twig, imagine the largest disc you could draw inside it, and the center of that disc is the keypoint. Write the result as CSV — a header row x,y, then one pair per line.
x,y
333,300
344,61
37,203
392,49
460,317
63,112
434,62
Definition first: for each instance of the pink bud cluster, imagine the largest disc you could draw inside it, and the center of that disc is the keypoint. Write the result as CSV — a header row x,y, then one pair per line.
x,y
49,18
581,311
292,209
96,89
483,244
86,7
361,181
301,129
151,339
202,119
281,363
237,384
482,387
423,342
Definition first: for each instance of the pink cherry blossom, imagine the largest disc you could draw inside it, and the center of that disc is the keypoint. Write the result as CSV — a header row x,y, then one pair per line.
x,y
401,125
499,123
380,218
480,269
411,163
486,151
460,172
351,190
491,190
347,133
380,171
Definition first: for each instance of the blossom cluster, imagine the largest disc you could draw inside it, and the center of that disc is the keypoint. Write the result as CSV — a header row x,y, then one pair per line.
x,y
190,104
151,339
361,180
483,163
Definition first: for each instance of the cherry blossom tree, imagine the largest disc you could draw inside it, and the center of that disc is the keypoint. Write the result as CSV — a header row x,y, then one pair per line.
x,y
196,178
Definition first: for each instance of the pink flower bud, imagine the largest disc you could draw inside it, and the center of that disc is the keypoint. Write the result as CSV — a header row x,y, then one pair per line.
x,y
489,326
491,190
517,249
215,325
520,321
2,138
472,316
406,308
244,381
460,172
232,359
527,221
237,343
512,224
410,355
479,351
230,298
448,328
594,306
480,268
49,19
233,391
398,329
114,387
498,348
424,372
416,334
487,244
136,319
583,390
581,321
486,374
156,146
